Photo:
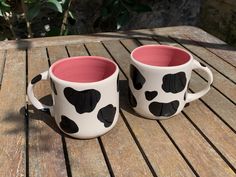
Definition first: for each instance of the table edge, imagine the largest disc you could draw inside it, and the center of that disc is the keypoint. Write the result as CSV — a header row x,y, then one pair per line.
x,y
95,37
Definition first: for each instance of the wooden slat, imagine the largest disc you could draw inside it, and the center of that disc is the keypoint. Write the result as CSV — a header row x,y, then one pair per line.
x,y
85,156
226,87
56,52
203,38
224,51
216,101
72,39
155,143
119,143
200,154
76,50
220,104
212,43
185,127
97,37
217,132
46,157
12,119
210,58
215,45
147,40
97,49
2,61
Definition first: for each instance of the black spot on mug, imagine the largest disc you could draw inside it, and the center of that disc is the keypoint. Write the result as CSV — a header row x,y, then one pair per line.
x,y
83,101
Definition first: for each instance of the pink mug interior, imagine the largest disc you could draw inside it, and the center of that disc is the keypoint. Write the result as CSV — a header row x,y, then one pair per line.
x,y
83,69
160,55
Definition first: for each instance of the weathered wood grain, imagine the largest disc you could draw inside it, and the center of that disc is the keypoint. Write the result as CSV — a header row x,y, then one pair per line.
x,y
76,50
97,37
155,143
12,119
71,39
56,53
221,105
46,157
225,86
185,127
85,156
119,143
215,45
212,43
199,153
214,129
123,153
163,155
2,61
210,58
97,49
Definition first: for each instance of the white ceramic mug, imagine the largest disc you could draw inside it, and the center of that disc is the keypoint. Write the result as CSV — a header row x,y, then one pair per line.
x,y
85,95
159,78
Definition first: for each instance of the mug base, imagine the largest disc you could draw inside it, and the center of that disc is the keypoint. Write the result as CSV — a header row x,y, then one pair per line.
x,y
152,117
97,134
85,137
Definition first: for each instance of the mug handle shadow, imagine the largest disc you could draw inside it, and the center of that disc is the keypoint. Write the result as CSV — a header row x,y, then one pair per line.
x,y
37,115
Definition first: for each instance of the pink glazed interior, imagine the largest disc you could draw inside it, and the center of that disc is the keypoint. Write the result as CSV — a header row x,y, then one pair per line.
x,y
83,69
160,55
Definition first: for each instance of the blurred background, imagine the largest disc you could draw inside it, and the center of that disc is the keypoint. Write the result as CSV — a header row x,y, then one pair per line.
x,y
40,18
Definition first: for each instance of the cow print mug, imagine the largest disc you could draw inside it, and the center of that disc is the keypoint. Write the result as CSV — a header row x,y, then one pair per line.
x,y
85,95
159,78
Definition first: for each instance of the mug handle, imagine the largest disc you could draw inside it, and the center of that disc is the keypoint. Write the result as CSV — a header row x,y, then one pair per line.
x,y
33,99
193,96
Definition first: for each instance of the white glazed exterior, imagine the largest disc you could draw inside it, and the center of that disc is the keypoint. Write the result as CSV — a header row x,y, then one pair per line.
x,y
154,75
89,125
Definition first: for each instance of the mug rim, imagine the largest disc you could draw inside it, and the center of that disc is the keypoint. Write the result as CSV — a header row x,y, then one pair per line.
x,y
61,81
160,67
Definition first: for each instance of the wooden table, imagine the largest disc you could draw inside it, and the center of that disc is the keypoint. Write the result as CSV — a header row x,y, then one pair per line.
x,y
201,141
